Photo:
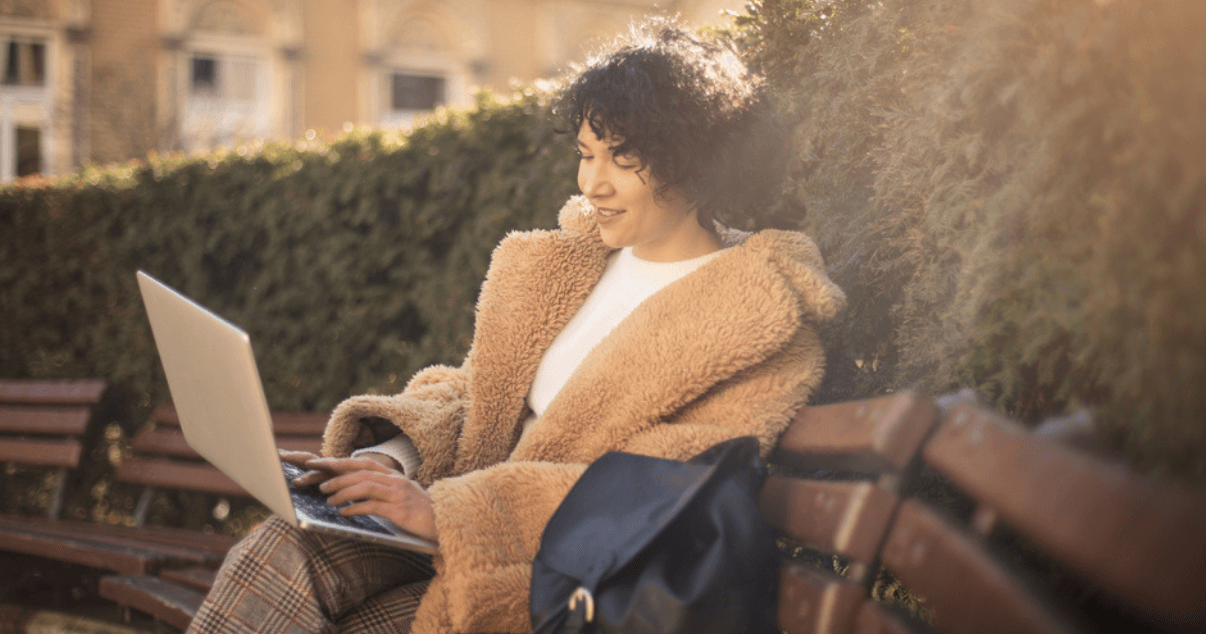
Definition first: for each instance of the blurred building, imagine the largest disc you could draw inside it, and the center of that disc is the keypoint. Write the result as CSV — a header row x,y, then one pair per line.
x,y
106,80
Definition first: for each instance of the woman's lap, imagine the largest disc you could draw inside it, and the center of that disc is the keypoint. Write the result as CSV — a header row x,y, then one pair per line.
x,y
390,611
283,579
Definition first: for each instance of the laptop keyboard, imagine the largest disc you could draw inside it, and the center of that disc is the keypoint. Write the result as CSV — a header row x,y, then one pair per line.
x,y
309,502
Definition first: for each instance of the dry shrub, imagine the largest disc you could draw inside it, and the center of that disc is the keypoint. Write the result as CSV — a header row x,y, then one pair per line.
x,y
1012,194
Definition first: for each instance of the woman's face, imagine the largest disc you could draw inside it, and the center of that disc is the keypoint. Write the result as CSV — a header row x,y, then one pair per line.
x,y
659,229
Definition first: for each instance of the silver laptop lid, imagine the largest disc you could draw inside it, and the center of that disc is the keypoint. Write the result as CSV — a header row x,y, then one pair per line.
x,y
215,386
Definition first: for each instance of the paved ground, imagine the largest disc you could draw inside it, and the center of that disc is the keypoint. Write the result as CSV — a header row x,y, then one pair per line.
x,y
15,619
52,597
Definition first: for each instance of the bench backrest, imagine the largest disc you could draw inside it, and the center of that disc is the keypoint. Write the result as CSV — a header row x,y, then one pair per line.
x,y
43,423
1040,538
163,460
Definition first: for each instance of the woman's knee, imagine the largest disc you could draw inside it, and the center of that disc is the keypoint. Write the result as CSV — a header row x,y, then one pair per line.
x,y
273,550
275,542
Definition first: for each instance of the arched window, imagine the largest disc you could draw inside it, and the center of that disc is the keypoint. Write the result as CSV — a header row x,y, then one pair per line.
x,y
226,77
420,64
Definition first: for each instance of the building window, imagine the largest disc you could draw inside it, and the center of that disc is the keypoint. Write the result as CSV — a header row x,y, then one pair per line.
x,y
29,151
223,77
26,103
24,62
227,98
411,92
205,76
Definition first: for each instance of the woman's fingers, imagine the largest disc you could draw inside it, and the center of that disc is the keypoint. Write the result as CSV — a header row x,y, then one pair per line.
x,y
296,458
391,496
336,466
310,478
390,512
319,469
360,485
299,459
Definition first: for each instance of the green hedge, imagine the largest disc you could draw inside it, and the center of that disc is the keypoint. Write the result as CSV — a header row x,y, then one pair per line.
x,y
352,263
1013,196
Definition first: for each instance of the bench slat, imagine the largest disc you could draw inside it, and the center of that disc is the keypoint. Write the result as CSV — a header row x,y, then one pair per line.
x,y
177,475
300,443
874,618
87,533
195,577
163,440
1083,510
22,419
285,423
814,602
849,518
42,453
213,546
55,392
968,591
873,436
122,559
170,441
185,537
296,423
171,603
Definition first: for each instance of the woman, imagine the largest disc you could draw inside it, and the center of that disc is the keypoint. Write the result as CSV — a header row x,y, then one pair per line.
x,y
643,324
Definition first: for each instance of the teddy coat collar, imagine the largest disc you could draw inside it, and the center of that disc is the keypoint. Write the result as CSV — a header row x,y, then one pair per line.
x,y
730,314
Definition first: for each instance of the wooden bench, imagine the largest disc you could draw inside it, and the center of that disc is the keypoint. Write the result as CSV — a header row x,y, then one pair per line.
x,y
120,549
162,460
1027,535
856,483
42,424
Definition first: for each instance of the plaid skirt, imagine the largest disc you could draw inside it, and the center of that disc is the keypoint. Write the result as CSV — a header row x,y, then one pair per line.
x,y
283,579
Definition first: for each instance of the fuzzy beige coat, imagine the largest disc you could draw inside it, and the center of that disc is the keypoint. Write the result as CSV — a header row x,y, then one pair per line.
x,y
729,350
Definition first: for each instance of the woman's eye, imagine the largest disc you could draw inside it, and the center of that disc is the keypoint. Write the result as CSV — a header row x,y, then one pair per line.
x,y
624,165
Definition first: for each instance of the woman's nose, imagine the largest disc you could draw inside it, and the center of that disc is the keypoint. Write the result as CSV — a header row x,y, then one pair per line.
x,y
595,182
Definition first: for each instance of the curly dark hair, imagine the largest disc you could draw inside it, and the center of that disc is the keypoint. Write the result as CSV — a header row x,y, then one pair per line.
x,y
694,115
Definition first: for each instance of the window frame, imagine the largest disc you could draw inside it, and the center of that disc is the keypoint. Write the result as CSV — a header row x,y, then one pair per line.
x,y
417,64
209,121
30,106
396,73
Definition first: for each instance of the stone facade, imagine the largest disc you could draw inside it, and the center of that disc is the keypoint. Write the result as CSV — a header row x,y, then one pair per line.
x,y
106,80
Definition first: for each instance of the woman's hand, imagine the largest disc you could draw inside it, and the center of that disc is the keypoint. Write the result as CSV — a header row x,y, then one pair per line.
x,y
377,491
319,470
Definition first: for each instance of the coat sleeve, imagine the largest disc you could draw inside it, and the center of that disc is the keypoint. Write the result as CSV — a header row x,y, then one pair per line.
x,y
430,411
490,521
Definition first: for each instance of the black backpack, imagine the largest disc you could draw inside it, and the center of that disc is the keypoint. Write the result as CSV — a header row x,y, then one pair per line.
x,y
646,545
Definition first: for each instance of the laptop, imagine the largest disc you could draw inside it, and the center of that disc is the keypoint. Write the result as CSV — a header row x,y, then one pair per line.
x,y
216,389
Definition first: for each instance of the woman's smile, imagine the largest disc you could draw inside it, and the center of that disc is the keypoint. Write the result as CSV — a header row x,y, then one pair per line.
x,y
606,215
